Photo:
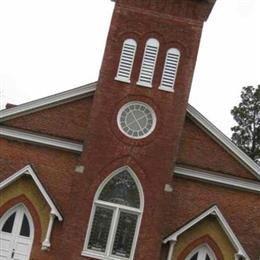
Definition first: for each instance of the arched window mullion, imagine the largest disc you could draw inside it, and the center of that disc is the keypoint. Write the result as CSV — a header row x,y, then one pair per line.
x,y
113,205
113,230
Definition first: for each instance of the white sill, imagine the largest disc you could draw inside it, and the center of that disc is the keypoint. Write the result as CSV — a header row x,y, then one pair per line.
x,y
100,257
166,89
139,83
122,79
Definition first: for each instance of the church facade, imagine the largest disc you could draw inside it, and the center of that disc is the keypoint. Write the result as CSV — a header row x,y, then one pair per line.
x,y
124,168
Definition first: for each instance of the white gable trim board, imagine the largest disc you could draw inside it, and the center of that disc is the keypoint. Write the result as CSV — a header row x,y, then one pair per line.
x,y
218,178
47,102
223,140
89,89
54,212
173,238
26,136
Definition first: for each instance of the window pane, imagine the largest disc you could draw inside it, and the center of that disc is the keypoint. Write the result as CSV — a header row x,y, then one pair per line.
x,y
121,189
100,229
25,229
195,257
8,226
124,234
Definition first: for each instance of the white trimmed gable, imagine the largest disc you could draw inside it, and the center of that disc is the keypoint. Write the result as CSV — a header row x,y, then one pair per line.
x,y
28,170
223,223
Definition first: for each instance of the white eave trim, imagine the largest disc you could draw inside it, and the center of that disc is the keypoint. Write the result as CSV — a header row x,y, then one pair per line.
x,y
27,170
217,178
15,134
224,224
46,102
224,141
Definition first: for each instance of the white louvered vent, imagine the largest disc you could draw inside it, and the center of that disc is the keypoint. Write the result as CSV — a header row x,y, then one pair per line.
x,y
170,69
149,62
126,61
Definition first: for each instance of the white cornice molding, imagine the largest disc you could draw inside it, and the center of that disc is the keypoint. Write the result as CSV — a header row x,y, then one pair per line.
x,y
224,141
218,178
28,170
46,102
56,143
223,223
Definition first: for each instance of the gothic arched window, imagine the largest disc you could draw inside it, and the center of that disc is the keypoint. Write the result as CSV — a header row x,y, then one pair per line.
x,y
116,216
149,62
16,233
201,253
170,69
126,60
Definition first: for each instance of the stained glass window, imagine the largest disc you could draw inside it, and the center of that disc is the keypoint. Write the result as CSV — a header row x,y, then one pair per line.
x,y
121,189
100,229
117,214
125,234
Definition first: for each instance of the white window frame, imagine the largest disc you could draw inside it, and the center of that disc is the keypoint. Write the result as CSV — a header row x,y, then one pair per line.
x,y
117,209
204,248
166,70
152,42
20,210
119,76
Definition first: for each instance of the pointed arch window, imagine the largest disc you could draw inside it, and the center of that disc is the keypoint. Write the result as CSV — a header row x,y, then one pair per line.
x,y
170,69
149,62
203,252
115,218
16,233
126,61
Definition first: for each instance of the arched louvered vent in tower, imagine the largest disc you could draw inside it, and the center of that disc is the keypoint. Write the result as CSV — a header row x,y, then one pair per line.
x,y
126,60
149,62
170,69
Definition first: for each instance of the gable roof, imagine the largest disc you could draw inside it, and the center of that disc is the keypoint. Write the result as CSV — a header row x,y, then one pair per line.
x,y
89,89
28,170
47,102
214,210
223,140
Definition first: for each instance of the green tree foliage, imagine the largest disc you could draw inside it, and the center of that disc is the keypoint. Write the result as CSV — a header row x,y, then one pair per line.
x,y
246,134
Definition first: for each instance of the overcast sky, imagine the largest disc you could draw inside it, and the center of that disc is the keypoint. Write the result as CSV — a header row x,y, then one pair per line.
x,y
48,46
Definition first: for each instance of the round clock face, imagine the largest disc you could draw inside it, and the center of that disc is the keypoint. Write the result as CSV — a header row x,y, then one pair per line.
x,y
136,119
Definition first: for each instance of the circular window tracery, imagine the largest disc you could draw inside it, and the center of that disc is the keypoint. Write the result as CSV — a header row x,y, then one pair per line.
x,y
136,119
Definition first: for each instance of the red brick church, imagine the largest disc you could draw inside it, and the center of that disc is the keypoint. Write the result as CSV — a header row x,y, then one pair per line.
x,y
125,168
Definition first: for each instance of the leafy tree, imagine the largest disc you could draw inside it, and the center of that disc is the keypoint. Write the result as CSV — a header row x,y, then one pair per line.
x,y
246,134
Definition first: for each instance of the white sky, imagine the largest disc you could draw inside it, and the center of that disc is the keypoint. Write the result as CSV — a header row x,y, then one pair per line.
x,y
49,46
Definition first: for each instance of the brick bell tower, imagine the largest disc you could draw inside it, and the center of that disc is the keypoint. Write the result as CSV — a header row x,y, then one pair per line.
x,y
139,110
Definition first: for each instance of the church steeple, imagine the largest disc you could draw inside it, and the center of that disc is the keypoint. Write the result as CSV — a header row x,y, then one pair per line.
x,y
140,104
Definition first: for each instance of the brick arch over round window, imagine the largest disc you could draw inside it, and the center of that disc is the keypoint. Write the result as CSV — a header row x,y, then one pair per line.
x,y
126,61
